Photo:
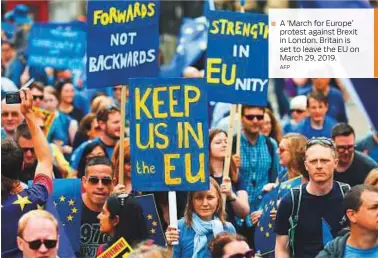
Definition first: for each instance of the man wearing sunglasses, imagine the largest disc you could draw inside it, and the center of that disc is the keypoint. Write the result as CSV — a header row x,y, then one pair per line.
x,y
310,215
98,183
318,124
38,235
109,121
11,117
298,112
36,89
353,166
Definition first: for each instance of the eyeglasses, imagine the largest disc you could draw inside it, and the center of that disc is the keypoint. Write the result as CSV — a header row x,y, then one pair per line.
x,y
322,141
40,97
300,111
252,117
248,254
95,180
344,148
36,244
27,149
12,114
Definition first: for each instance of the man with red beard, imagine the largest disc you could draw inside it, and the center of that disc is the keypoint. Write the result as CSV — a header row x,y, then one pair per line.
x,y
98,184
318,124
109,121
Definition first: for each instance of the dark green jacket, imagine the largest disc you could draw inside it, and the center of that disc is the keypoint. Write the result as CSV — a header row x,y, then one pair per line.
x,y
335,248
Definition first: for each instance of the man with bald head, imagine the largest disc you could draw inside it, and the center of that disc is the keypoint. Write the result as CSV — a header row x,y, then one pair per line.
x,y
11,118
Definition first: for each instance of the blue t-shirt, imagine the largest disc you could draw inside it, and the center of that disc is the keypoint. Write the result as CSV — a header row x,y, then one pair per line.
x,y
186,241
60,129
304,128
76,156
351,252
308,241
370,145
336,104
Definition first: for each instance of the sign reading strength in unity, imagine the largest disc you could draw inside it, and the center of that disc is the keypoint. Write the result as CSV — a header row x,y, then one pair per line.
x,y
57,45
237,58
169,125
123,41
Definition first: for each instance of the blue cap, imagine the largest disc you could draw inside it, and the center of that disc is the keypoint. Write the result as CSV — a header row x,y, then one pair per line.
x,y
21,14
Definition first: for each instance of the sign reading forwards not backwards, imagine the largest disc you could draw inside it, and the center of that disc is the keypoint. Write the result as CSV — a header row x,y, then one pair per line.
x,y
170,128
123,41
57,45
237,58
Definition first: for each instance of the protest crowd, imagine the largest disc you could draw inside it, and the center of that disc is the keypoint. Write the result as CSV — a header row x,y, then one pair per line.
x,y
294,180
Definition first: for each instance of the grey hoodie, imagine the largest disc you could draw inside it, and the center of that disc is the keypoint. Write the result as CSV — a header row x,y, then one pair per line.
x,y
335,248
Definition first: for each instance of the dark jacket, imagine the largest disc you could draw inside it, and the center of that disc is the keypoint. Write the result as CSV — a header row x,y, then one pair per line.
x,y
335,248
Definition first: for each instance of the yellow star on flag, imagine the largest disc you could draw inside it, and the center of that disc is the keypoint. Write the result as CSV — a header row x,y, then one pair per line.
x,y
270,225
62,198
69,218
154,223
149,216
74,210
152,231
267,234
288,186
40,207
261,229
71,202
22,201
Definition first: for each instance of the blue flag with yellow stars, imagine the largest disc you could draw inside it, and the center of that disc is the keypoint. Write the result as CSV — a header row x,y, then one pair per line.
x,y
265,238
150,212
285,187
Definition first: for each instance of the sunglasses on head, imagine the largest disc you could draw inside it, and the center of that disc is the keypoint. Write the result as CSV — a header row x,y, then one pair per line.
x,y
252,117
95,180
27,149
300,111
248,254
36,244
35,97
322,141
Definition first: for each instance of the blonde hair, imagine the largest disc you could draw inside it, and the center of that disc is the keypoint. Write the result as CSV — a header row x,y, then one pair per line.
x,y
154,251
297,143
372,177
34,214
100,102
115,156
219,211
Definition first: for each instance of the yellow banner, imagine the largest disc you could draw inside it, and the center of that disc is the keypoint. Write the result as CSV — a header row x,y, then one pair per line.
x,y
121,246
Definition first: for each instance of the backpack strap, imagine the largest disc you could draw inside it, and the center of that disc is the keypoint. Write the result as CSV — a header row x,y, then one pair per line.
x,y
344,188
269,144
296,198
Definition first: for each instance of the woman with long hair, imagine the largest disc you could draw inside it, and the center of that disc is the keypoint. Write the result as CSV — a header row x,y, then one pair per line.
x,y
124,186
204,218
93,149
271,126
66,93
233,187
122,216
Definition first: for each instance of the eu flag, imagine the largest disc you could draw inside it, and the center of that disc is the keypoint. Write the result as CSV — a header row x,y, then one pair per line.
x,y
265,238
285,187
152,217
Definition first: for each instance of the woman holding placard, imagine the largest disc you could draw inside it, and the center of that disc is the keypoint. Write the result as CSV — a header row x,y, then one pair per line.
x,y
233,187
204,218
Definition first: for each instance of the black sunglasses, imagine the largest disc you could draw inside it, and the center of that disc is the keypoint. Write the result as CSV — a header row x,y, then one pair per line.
x,y
322,141
35,97
343,148
95,180
27,149
248,254
252,117
300,111
36,244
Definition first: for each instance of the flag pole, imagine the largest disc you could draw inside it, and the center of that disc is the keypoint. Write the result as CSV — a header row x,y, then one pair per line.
x,y
122,136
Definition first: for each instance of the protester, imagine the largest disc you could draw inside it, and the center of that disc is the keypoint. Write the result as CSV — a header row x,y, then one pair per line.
x,y
361,210
227,245
109,121
63,128
271,126
313,209
233,187
204,218
38,234
37,89
100,102
259,161
66,93
353,166
16,199
98,183
122,216
91,150
372,178
369,145
126,185
298,111
11,117
336,105
317,124
88,130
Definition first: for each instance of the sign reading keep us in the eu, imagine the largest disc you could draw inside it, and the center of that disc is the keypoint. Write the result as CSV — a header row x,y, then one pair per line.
x,y
123,41
169,129
237,58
